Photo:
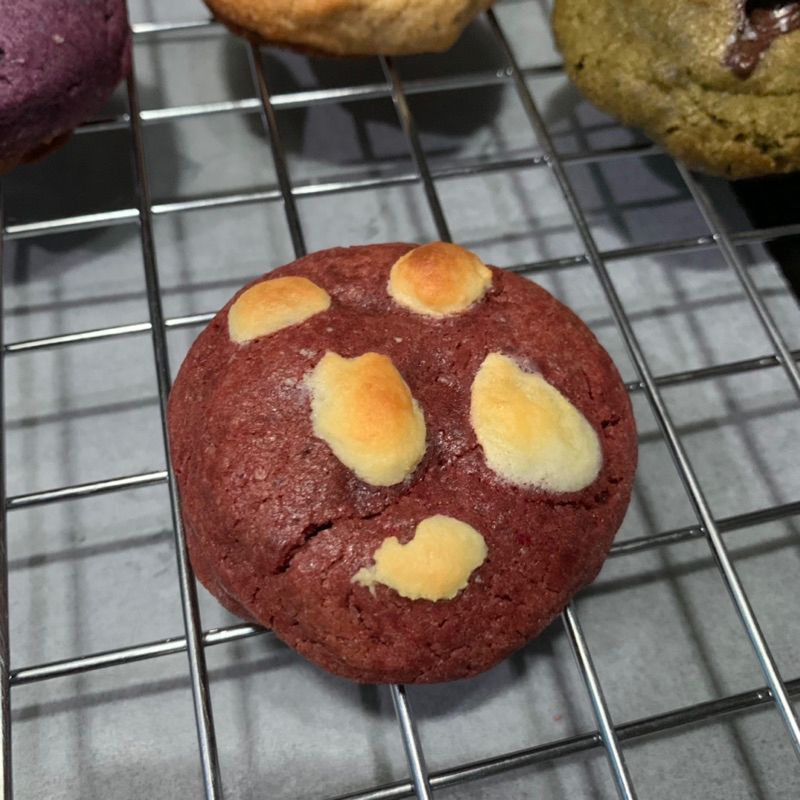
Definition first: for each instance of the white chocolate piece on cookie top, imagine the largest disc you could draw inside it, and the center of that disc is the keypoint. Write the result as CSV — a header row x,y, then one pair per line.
x,y
530,433
438,279
363,409
435,565
274,304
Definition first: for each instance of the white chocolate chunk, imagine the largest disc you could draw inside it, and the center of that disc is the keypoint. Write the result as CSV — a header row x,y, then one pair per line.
x,y
530,433
435,565
438,279
274,304
363,409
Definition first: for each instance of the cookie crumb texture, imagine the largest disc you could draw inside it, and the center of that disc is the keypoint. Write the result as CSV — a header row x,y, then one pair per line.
x,y
351,27
59,62
279,526
662,67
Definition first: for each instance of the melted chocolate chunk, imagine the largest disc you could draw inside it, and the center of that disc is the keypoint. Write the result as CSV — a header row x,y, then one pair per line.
x,y
760,23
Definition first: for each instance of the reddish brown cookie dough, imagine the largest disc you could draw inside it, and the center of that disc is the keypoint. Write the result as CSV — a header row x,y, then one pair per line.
x,y
277,526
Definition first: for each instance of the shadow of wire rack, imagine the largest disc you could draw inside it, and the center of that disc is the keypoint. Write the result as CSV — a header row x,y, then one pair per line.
x,y
218,162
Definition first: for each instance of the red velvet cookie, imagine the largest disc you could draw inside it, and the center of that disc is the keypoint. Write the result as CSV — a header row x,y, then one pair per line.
x,y
402,461
59,62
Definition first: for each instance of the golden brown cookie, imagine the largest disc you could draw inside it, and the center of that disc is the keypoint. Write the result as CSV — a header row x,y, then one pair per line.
x,y
716,82
350,27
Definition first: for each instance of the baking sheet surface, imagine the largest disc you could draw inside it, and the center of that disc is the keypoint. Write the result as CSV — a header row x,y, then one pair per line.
x,y
99,573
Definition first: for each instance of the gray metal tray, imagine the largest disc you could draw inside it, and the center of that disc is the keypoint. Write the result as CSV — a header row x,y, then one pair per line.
x,y
217,163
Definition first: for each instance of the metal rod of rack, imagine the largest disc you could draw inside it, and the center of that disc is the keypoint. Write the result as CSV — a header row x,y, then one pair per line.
x,y
626,731
303,99
677,450
191,615
6,787
278,154
150,28
130,655
729,252
417,152
413,747
316,188
86,490
616,760
619,771
726,524
403,712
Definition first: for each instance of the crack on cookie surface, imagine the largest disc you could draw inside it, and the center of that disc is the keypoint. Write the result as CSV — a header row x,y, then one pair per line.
x,y
308,534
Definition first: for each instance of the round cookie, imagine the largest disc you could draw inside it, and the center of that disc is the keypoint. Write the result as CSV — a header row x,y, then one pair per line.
x,y
402,461
343,28
717,82
59,62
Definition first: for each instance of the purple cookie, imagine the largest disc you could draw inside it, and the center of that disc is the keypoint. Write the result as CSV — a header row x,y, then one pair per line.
x,y
59,62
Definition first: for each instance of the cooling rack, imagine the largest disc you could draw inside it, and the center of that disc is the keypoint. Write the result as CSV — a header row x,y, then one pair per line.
x,y
676,673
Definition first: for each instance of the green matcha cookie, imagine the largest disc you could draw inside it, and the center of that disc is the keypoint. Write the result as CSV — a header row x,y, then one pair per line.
x,y
716,82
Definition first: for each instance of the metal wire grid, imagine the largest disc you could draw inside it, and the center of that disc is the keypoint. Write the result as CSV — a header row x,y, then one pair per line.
x,y
194,640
